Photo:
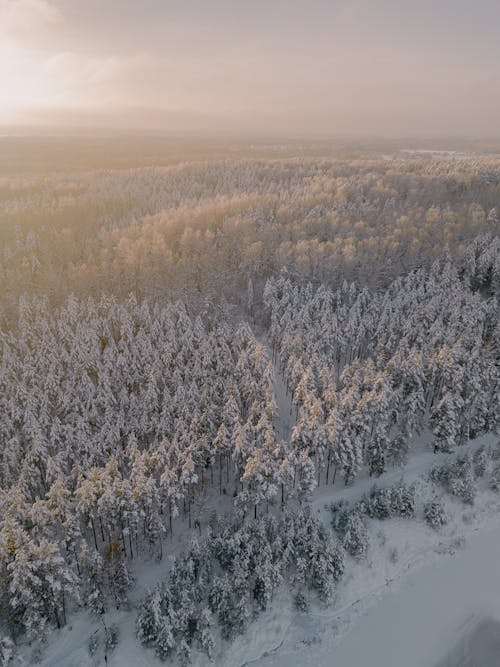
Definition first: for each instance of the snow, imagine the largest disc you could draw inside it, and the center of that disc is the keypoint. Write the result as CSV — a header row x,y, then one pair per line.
x,y
422,597
285,411
432,603
439,154
422,618
418,464
480,646
414,625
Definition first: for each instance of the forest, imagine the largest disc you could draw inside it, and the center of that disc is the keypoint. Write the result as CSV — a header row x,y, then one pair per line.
x,y
189,353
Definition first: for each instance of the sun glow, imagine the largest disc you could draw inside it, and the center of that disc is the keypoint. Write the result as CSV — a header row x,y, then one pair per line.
x,y
342,67
19,87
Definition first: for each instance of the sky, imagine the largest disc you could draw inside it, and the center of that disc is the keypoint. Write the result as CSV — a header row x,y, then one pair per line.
x,y
312,67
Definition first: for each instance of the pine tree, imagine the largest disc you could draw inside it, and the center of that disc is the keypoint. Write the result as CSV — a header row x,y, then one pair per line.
x,y
206,638
355,535
150,618
118,578
93,581
7,651
306,475
434,514
39,585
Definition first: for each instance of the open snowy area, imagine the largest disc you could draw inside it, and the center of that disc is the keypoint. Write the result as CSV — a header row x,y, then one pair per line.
x,y
444,614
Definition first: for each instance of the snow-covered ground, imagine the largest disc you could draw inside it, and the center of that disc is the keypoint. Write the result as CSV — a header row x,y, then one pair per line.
x,y
424,620
410,603
421,598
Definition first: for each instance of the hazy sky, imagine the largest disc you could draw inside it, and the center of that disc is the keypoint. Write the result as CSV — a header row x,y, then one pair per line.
x,y
308,66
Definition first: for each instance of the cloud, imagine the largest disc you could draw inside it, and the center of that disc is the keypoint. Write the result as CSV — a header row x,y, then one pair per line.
x,y
25,19
85,81
326,63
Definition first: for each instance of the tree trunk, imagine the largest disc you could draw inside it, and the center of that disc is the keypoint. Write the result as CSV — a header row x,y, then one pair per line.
x,y
130,541
102,529
93,531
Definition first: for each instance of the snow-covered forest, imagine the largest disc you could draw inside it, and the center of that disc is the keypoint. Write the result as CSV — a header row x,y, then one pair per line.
x,y
202,231
369,370
194,356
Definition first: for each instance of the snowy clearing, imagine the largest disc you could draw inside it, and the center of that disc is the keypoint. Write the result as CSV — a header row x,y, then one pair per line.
x,y
420,620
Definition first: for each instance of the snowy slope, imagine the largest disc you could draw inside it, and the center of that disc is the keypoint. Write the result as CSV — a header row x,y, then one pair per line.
x,y
415,596
403,555
421,621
